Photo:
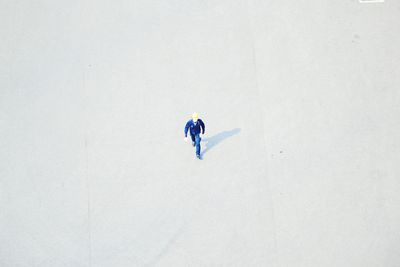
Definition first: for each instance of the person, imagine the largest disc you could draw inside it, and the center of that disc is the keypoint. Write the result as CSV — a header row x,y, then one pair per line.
x,y
196,127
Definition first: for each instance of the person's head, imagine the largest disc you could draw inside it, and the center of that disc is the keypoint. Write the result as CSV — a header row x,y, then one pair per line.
x,y
195,117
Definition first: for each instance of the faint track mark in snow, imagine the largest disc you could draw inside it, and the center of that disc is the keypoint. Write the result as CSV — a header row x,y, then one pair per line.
x,y
88,202
166,248
251,22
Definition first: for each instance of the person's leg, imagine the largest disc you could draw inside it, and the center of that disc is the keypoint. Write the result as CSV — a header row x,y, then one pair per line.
x,y
193,140
197,140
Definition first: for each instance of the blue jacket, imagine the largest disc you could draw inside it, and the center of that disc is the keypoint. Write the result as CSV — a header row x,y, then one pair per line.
x,y
195,128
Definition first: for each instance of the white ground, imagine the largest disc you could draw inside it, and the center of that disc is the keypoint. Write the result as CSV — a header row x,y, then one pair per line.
x,y
302,109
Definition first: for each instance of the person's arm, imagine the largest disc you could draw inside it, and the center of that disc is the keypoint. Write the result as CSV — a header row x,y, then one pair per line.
x,y
186,128
203,127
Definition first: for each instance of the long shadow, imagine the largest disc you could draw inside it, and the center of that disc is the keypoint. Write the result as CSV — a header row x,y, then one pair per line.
x,y
214,140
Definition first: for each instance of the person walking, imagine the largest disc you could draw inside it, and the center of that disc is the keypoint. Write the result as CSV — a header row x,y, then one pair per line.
x,y
196,127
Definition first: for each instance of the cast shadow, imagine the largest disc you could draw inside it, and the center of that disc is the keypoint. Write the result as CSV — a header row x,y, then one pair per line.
x,y
214,140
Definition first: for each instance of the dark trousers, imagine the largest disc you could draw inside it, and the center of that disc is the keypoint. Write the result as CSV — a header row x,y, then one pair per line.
x,y
196,139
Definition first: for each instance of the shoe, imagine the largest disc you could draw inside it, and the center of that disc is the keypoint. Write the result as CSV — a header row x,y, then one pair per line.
x,y
198,156
193,143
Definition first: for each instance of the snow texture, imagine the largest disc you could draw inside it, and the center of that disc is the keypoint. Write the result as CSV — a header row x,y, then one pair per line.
x,y
301,153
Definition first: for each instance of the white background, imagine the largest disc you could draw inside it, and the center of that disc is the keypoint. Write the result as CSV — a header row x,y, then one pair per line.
x,y
302,110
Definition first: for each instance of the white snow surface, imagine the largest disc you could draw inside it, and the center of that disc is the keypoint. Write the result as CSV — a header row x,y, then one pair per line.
x,y
301,101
